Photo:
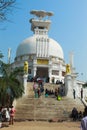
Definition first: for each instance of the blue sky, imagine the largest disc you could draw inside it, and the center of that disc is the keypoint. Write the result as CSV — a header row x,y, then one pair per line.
x,y
68,28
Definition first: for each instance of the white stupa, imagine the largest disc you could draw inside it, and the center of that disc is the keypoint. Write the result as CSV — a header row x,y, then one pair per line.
x,y
44,54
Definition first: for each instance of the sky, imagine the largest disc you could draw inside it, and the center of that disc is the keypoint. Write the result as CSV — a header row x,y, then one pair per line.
x,y
68,28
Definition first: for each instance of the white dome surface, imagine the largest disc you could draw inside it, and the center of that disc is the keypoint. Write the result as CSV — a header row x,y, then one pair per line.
x,y
28,46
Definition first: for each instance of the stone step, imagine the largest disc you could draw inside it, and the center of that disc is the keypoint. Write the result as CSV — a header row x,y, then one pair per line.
x,y
43,108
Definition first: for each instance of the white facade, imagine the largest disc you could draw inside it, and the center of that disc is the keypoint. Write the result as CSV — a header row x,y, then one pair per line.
x,y
44,55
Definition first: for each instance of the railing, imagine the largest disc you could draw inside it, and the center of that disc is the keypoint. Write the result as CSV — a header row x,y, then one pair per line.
x,y
84,102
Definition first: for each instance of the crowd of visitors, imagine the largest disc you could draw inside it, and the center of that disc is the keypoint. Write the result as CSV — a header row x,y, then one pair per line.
x,y
38,88
78,115
7,115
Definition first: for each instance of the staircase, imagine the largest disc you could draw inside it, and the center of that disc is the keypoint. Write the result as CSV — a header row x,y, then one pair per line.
x,y
30,108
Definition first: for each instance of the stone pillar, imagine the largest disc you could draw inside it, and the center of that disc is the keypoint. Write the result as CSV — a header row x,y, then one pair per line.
x,y
34,67
49,71
68,86
25,84
60,74
74,84
34,71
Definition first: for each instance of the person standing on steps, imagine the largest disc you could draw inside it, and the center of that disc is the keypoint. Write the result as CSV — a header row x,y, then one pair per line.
x,y
81,93
74,114
74,93
7,114
12,113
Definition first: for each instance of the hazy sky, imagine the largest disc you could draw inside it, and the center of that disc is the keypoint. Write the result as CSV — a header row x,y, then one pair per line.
x,y
68,28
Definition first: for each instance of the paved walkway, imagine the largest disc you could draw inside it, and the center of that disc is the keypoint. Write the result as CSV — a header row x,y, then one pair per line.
x,y
43,126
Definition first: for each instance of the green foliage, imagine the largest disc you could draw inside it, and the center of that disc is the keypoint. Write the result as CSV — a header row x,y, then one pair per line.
x,y
1,55
10,87
85,85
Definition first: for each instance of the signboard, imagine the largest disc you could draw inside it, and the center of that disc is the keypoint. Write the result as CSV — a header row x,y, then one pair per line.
x,y
42,62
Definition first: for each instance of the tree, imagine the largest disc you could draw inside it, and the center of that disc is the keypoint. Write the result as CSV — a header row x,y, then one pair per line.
x,y
10,87
1,55
85,85
5,6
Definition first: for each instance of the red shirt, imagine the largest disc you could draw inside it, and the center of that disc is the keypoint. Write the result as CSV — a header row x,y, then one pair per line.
x,y
12,112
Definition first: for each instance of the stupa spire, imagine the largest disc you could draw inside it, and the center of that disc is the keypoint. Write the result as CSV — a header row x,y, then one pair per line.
x,y
40,21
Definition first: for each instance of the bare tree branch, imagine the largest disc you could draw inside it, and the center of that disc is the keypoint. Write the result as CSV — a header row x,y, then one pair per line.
x,y
5,6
